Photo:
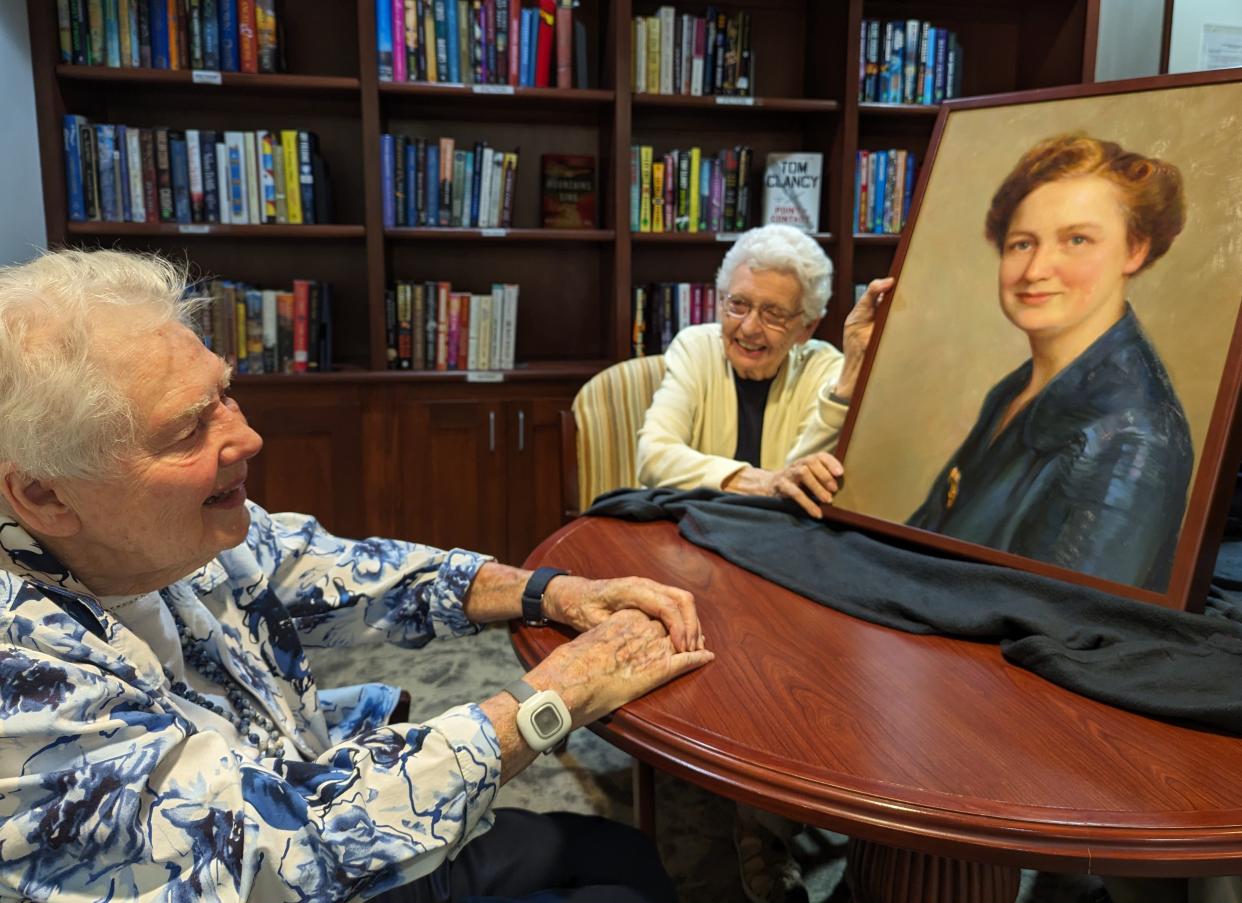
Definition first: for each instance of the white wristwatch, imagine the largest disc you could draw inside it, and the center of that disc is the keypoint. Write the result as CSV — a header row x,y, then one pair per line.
x,y
543,719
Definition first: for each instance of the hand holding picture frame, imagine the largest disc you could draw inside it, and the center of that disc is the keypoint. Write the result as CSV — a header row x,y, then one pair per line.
x,y
1053,384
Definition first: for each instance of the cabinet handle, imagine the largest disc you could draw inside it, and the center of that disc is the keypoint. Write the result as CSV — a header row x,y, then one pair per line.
x,y
491,431
521,431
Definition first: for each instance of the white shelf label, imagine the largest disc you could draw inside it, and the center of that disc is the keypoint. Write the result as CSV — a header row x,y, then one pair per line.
x,y
484,376
492,89
725,101
726,236
206,77
493,233
195,229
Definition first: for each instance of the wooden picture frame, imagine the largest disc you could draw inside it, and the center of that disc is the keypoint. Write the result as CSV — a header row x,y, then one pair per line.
x,y
1083,488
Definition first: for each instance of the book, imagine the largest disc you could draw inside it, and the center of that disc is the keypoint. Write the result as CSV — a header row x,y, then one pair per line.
x,y
792,186
568,196
73,166
564,43
543,45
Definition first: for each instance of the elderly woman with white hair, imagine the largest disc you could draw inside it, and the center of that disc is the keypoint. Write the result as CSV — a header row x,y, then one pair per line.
x,y
753,404
163,736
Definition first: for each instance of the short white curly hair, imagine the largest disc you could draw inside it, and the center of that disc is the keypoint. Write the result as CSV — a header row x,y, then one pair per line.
x,y
789,250
63,412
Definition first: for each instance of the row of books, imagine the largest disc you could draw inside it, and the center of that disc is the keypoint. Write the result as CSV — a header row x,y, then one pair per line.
x,y
122,173
436,183
258,330
660,309
688,191
225,35
908,61
680,53
883,186
480,42
429,326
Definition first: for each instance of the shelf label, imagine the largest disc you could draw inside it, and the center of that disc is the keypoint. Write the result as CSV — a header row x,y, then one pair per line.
x,y
726,236
206,77
493,233
492,89
484,376
195,229
726,101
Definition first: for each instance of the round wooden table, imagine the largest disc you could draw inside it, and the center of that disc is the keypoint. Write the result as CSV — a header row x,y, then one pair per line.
x,y
945,762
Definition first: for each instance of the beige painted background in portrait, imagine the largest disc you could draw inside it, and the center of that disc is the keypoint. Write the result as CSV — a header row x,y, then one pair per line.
x,y
946,342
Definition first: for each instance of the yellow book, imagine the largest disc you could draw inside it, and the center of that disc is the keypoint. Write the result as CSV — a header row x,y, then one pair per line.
x,y
696,163
653,54
657,196
644,196
429,42
293,185
239,320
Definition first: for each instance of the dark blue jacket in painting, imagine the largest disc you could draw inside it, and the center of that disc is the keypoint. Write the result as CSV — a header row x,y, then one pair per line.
x,y
1091,475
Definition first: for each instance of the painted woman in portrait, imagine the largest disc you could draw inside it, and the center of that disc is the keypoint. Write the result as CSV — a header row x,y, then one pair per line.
x,y
1082,456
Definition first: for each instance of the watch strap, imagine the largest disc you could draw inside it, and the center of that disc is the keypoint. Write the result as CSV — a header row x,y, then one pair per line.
x,y
520,690
532,595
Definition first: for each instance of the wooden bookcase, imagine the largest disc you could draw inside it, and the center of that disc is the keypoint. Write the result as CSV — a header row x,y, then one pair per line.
x,y
430,455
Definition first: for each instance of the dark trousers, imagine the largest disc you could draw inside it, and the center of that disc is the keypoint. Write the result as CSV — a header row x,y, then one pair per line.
x,y
542,858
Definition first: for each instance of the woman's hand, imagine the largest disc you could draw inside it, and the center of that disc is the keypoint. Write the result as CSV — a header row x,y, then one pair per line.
x,y
810,481
582,604
857,335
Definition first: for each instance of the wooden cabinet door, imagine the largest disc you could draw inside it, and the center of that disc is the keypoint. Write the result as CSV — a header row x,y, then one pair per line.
x,y
449,457
312,455
533,472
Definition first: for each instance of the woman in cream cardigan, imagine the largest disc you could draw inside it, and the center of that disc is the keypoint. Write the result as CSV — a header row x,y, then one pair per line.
x,y
753,404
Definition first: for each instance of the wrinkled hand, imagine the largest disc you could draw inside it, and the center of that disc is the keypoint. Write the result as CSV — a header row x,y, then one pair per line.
x,y
618,660
809,481
582,604
859,325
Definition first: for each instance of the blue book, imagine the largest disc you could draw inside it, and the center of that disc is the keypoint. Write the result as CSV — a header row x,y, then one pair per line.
x,y
127,212
467,188
179,164
881,189
705,196
383,38
387,145
230,49
159,34
112,33
929,73
73,167
525,56
858,174
478,183
135,46
411,176
452,45
211,34
211,177
432,213
532,41
307,146
105,141
908,193
441,49
942,53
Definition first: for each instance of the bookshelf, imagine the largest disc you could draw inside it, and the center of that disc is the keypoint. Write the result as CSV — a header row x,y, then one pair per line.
x,y
440,457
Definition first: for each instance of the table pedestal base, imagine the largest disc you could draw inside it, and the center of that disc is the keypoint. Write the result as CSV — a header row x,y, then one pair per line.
x,y
881,874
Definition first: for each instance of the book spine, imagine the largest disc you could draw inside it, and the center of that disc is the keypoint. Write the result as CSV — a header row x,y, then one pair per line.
x,y
459,184
120,156
180,169
543,47
314,324
306,176
293,185
418,327
510,326
211,177
150,176
431,178
384,39
270,332
705,193
399,185
159,34
194,20
942,53
112,34
250,168
442,325
301,324
107,180
211,34
73,166
476,195
387,186
392,342
429,40
265,34
230,44
452,42
465,54
396,12
266,148
194,162
247,38
742,221
444,73
564,44
127,35
280,179
64,31
469,190
510,183
415,68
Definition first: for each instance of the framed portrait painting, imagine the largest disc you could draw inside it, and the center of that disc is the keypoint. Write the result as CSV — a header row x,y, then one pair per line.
x,y
1053,383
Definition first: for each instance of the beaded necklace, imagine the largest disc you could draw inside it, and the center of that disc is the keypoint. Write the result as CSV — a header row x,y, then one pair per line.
x,y
247,715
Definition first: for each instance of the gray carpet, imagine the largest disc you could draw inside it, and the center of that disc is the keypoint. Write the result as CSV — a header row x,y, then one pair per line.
x,y
591,776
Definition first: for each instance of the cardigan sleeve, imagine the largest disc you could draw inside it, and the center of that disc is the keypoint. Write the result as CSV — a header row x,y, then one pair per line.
x,y
822,422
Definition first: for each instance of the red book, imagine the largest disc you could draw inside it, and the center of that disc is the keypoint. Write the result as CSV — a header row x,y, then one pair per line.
x,y
399,70
301,324
515,40
543,45
564,44
247,38
150,177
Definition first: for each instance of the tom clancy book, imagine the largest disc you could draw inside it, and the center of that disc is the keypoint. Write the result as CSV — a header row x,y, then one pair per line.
x,y
792,184
568,191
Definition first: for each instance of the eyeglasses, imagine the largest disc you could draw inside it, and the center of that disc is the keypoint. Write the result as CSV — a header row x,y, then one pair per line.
x,y
770,316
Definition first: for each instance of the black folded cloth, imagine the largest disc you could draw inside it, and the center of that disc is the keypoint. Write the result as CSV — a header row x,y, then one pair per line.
x,y
1134,655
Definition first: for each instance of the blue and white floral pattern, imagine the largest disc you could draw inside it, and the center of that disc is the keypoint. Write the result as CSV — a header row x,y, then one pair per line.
x,y
107,792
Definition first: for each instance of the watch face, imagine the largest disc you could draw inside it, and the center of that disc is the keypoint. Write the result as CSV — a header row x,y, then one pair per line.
x,y
547,720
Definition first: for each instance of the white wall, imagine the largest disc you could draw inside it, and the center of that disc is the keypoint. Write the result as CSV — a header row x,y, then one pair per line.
x,y
1189,17
1129,43
22,227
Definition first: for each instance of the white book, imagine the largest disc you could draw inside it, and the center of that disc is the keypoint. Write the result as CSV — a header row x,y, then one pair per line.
x,y
254,209
668,25
137,199
640,54
224,202
485,331
683,305
792,185
270,334
696,59
238,194
485,190
472,336
498,326
194,156
510,326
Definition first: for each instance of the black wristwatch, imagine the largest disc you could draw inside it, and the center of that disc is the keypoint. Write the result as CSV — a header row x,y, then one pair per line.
x,y
532,595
